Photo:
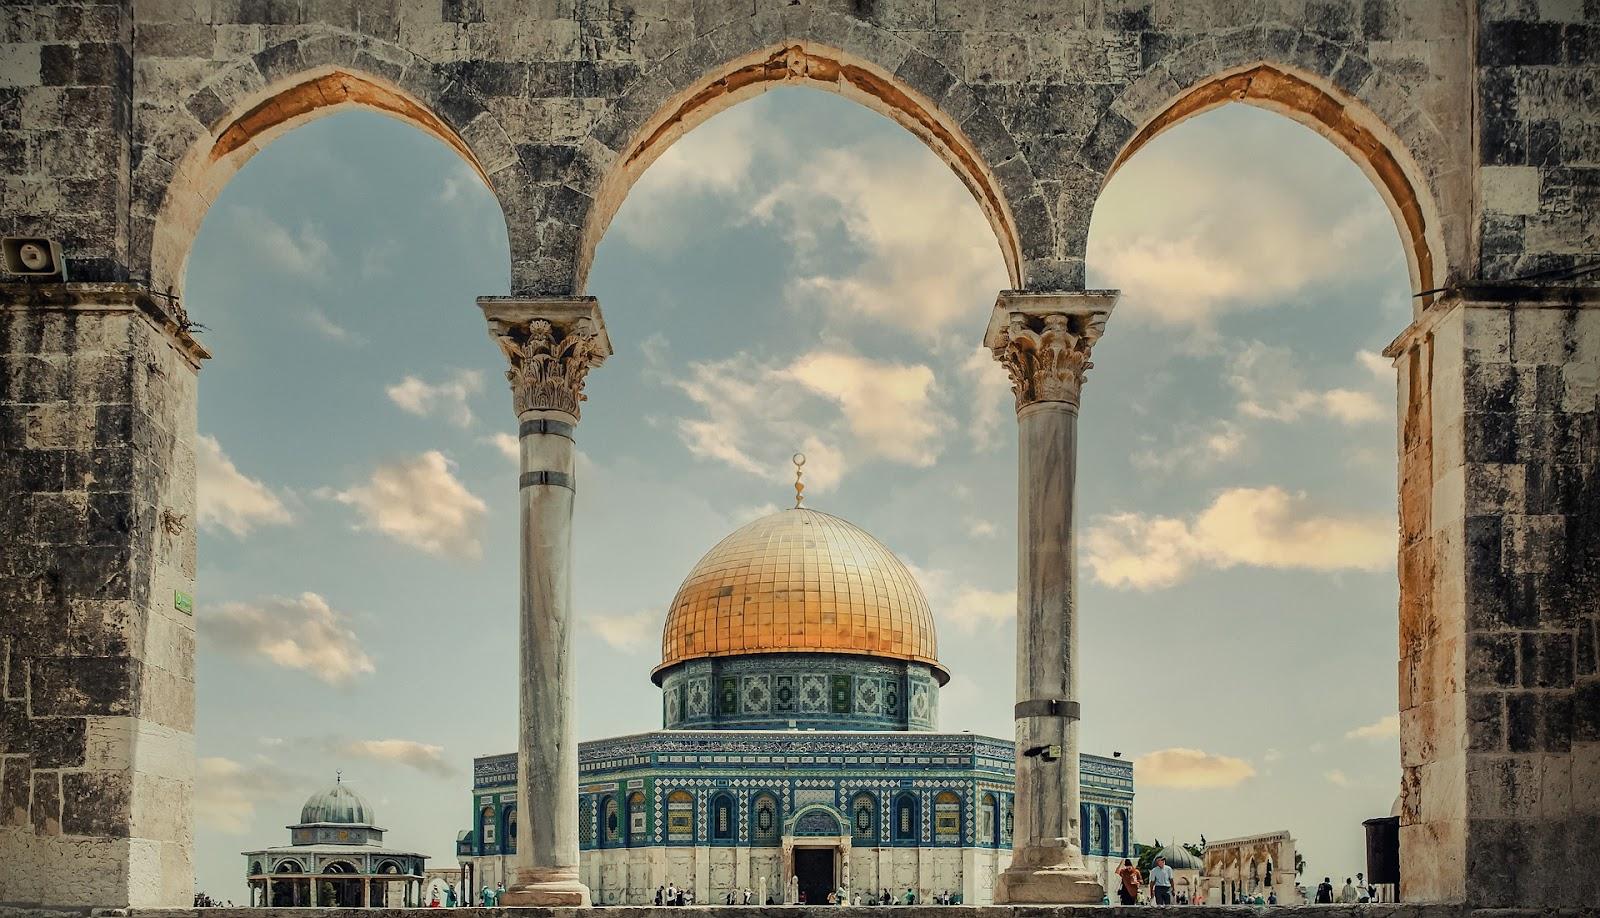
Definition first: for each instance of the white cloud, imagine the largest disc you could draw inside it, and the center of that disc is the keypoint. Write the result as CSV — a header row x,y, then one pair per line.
x,y
929,259
1257,527
628,633
448,397
461,186
982,529
1381,367
303,252
422,757
507,444
927,255
967,607
971,608
333,331
1338,778
1190,769
1270,385
713,159
226,498
226,792
990,397
888,406
836,408
1194,449
419,502
1271,755
1228,242
1382,728
300,633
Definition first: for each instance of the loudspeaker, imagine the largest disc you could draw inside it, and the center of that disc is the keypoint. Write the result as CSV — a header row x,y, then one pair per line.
x,y
34,257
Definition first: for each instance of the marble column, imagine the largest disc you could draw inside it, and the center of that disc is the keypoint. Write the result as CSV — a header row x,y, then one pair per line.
x,y
1044,340
551,345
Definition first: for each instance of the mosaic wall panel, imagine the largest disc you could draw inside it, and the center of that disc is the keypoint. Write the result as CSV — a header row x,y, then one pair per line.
x,y
815,691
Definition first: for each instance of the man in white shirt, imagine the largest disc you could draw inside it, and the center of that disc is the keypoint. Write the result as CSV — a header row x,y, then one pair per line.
x,y
1161,882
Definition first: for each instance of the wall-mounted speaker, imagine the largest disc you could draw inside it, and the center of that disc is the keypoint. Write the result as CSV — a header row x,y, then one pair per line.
x,y
33,257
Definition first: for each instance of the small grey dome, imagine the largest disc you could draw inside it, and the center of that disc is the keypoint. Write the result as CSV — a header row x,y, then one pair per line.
x,y
337,804
1179,858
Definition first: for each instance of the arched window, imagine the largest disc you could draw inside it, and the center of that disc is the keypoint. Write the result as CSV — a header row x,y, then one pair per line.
x,y
947,818
255,868
680,816
905,818
487,825
1006,824
1269,872
864,819
610,823
723,826
1097,830
339,867
288,867
1119,833
989,820
586,821
1255,875
764,827
508,833
636,818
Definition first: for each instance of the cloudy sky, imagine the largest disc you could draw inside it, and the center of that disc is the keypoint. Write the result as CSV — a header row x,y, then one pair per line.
x,y
798,274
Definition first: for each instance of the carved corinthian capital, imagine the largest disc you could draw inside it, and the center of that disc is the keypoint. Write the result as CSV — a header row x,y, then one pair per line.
x,y
1044,341
552,344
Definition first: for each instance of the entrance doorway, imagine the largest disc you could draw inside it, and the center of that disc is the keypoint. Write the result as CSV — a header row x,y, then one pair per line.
x,y
814,868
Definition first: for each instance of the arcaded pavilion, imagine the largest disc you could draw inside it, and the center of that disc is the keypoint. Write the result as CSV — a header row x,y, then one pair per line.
x,y
335,858
800,753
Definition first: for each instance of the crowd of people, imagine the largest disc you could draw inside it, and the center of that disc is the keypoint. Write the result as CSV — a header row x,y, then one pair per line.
x,y
671,894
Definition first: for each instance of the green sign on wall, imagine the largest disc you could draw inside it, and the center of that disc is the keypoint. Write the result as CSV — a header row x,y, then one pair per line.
x,y
183,602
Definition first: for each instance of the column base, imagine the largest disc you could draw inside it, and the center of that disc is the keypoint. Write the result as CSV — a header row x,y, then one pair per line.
x,y
547,887
1047,876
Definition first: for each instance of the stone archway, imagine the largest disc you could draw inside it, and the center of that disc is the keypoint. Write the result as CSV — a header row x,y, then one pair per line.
x,y
252,122
804,64
1152,107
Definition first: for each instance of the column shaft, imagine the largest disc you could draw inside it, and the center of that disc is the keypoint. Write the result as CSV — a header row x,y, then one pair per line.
x,y
1047,648
547,768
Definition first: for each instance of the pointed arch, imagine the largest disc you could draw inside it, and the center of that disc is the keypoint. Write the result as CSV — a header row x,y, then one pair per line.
x,y
1157,101
978,148
241,110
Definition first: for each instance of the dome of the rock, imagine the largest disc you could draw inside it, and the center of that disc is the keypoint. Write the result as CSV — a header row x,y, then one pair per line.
x,y
800,581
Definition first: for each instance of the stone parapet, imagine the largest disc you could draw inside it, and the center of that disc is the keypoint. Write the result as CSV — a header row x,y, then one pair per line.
x,y
1393,910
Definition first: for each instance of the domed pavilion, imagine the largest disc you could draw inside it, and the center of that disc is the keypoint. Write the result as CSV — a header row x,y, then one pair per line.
x,y
800,751
335,858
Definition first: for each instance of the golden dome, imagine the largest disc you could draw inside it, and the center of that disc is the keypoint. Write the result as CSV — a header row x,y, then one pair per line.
x,y
800,581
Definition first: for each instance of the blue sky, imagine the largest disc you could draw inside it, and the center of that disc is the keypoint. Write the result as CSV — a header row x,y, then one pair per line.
x,y
798,273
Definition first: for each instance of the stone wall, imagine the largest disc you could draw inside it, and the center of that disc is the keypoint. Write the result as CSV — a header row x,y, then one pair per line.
x,y
97,405
561,103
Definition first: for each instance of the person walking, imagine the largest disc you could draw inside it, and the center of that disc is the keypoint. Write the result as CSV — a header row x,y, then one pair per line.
x,y
1325,891
1128,891
661,893
1161,882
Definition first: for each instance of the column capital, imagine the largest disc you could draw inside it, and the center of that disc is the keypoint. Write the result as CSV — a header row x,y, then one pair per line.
x,y
1044,340
552,343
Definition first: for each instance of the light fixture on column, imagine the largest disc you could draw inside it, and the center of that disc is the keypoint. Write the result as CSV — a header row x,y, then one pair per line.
x,y
33,257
